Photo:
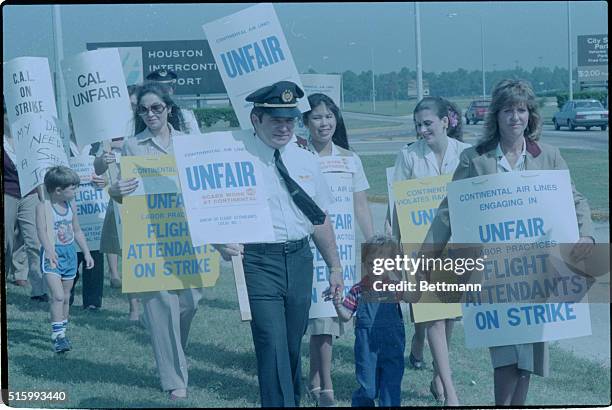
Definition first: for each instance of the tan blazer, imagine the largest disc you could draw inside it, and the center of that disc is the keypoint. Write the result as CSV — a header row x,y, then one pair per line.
x,y
472,164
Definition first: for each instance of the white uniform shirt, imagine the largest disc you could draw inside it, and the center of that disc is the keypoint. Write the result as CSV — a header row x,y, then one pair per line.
x,y
288,221
419,161
360,182
502,162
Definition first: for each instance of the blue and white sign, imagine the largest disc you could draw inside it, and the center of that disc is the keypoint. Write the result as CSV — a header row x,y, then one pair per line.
x,y
223,187
91,202
328,84
520,218
338,172
251,52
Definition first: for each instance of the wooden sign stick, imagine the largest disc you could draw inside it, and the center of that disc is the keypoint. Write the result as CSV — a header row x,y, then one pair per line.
x,y
44,198
241,289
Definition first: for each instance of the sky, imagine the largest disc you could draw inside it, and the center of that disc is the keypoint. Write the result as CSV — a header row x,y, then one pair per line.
x,y
334,37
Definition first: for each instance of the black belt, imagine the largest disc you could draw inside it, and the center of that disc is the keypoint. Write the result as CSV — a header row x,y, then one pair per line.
x,y
282,247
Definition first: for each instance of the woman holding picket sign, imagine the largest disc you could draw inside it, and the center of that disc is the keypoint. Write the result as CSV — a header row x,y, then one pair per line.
x,y
109,240
167,314
328,138
436,152
510,144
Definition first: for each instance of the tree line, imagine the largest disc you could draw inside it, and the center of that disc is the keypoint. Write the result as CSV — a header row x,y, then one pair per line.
x,y
396,85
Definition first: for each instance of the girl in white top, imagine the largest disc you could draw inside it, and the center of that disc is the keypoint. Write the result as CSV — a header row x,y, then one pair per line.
x,y
328,138
438,125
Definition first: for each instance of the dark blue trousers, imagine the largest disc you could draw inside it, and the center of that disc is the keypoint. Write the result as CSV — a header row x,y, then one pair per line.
x,y
379,354
279,286
93,280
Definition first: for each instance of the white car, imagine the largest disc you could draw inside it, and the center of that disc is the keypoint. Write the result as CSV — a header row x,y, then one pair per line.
x,y
581,113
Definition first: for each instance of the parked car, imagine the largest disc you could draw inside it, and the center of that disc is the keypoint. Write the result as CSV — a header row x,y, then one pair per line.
x,y
477,111
581,113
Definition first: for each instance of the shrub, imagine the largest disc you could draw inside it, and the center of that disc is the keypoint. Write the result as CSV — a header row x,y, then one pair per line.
x,y
601,95
208,117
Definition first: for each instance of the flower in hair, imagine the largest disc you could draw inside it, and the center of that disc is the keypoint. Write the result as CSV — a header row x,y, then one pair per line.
x,y
453,119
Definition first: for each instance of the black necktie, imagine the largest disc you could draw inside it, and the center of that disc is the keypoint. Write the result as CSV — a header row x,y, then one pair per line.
x,y
300,197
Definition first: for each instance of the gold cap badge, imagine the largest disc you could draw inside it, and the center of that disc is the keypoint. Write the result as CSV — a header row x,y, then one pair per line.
x,y
287,96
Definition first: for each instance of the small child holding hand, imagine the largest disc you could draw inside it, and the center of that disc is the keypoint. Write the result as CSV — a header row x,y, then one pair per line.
x,y
379,330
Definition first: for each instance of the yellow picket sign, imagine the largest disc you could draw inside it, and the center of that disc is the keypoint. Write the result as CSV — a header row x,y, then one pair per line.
x,y
157,250
416,202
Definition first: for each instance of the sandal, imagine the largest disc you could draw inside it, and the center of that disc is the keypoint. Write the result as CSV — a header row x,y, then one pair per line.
x,y
314,394
437,396
174,397
415,363
326,398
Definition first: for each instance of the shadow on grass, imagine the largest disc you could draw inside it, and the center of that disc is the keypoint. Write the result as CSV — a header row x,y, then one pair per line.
x,y
218,304
23,303
223,358
345,382
225,386
111,403
74,370
30,337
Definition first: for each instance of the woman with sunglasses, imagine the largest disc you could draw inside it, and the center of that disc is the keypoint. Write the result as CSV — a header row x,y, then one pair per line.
x,y
158,120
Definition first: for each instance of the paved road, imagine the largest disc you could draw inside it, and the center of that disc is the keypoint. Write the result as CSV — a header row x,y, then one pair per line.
x,y
387,140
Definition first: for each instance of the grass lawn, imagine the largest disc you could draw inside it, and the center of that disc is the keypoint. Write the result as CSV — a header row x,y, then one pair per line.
x,y
589,170
112,365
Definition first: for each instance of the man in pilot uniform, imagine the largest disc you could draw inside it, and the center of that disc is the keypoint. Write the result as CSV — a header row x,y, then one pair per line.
x,y
168,78
279,274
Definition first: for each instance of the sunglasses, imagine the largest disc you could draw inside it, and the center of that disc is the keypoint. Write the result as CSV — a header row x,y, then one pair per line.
x,y
156,108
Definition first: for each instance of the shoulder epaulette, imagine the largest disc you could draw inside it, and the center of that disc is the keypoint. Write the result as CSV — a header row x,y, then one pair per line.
x,y
302,143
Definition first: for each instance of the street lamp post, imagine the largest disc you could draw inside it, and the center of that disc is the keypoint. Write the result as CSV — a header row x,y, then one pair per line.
x,y
482,52
419,62
569,52
62,107
342,90
373,84
482,59
352,43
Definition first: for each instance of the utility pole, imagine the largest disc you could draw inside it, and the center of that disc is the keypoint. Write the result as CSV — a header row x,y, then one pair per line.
x,y
62,107
569,52
419,62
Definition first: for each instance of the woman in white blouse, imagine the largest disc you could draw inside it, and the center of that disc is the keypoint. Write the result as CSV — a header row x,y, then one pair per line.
x,y
328,138
436,152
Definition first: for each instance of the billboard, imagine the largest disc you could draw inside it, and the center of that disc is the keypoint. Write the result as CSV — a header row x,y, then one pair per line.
x,y
593,58
192,61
